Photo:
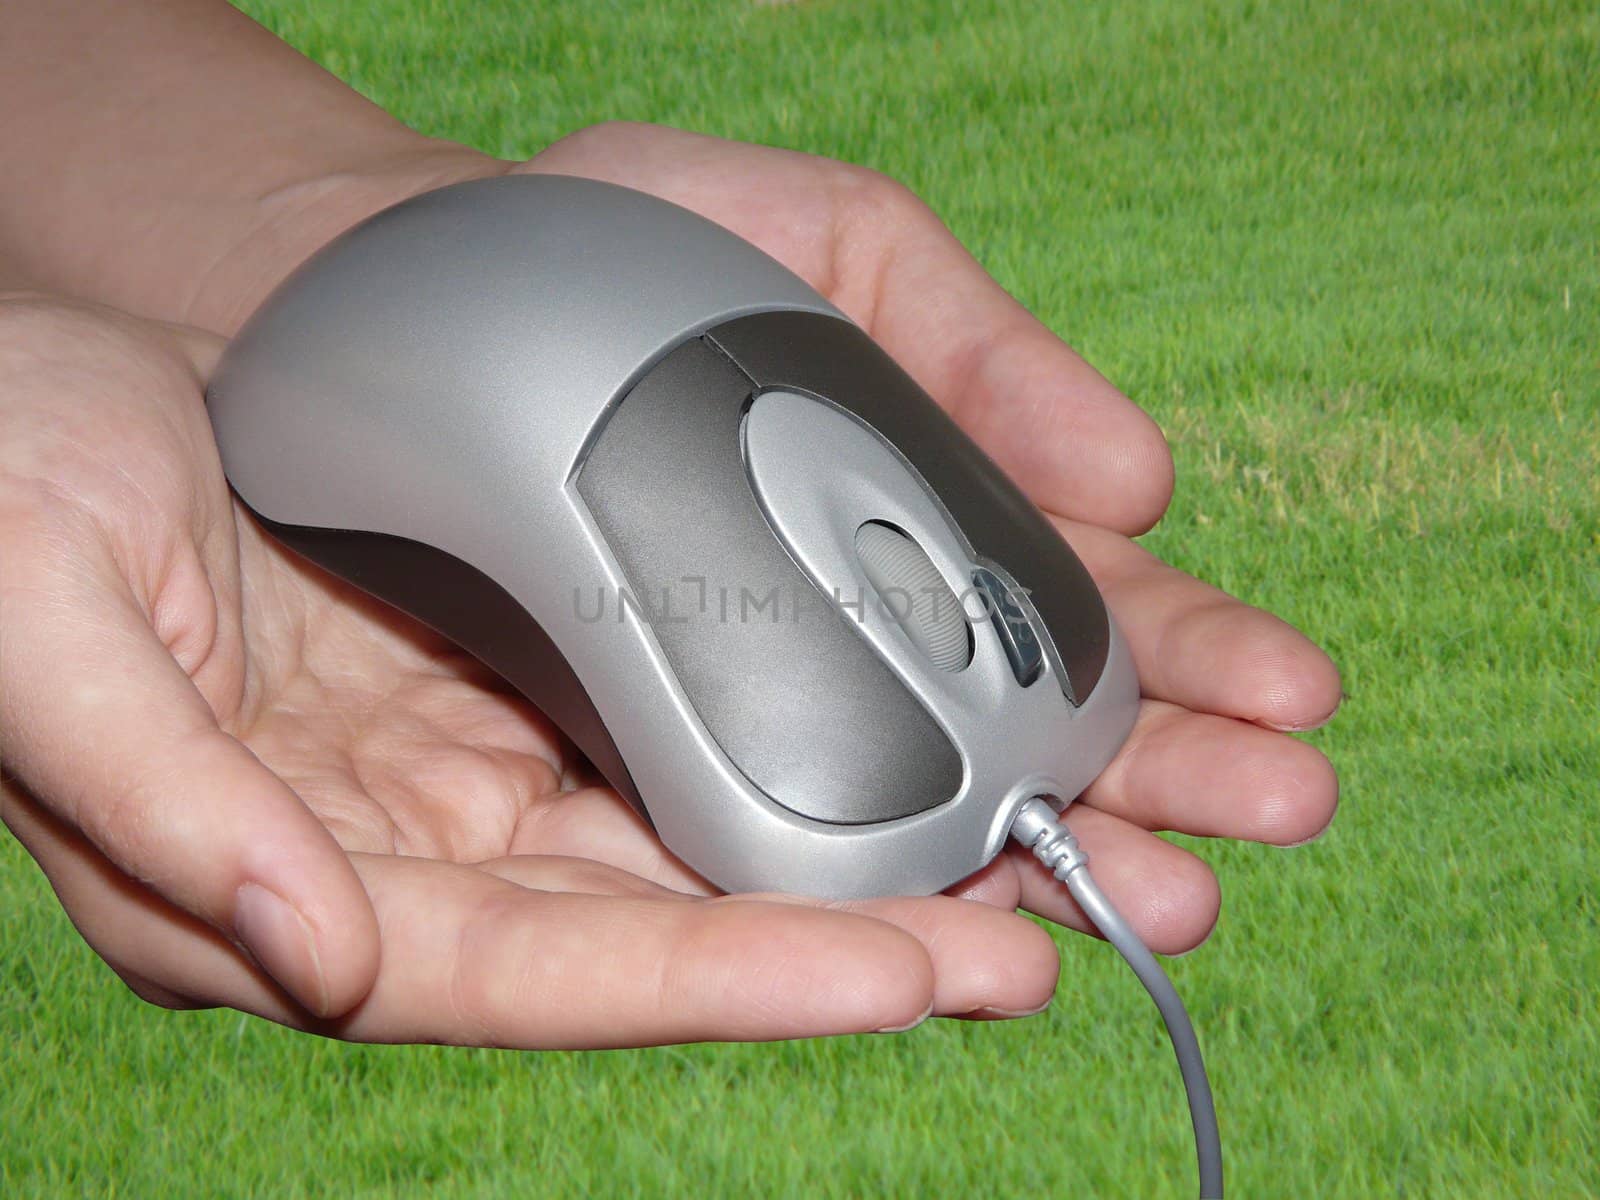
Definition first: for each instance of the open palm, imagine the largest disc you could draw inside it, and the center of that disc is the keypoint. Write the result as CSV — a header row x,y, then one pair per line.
x,y
252,785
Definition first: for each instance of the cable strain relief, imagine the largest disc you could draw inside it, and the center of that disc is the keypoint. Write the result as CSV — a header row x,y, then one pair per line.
x,y
1037,827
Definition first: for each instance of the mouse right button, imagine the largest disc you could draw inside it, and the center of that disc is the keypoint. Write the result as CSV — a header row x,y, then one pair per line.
x,y
830,357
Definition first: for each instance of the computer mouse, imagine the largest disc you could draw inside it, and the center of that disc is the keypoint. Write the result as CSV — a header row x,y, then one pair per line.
x,y
788,609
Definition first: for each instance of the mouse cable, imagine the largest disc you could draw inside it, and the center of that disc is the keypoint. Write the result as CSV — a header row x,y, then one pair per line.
x,y
1039,828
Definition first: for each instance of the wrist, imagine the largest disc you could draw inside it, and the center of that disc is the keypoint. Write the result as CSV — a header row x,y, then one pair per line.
x,y
177,159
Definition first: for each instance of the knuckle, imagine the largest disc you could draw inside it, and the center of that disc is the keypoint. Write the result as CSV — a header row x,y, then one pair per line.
x,y
612,129
491,969
33,329
124,808
602,141
868,191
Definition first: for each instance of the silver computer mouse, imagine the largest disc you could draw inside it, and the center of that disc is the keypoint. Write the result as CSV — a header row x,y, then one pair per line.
x,y
695,515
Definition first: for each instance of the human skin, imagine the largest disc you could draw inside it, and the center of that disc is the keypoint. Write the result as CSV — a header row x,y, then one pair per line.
x,y
195,722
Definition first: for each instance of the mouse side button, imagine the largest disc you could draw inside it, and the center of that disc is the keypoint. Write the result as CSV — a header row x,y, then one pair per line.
x,y
1011,626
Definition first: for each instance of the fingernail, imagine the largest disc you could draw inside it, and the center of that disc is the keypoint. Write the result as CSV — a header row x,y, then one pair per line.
x,y
1012,1014
281,942
1313,723
1312,840
926,1013
1200,945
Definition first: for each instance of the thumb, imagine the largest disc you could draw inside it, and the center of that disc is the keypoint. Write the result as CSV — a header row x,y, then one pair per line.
x,y
101,723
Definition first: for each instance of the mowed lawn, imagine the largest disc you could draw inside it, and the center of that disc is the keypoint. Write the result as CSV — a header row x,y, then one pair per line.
x,y
1349,256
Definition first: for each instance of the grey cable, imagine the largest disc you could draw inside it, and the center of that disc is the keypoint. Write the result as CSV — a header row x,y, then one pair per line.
x,y
1038,827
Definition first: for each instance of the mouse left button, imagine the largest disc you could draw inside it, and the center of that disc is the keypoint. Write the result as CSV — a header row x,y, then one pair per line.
x,y
795,699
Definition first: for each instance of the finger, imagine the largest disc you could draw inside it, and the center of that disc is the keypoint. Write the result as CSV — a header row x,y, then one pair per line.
x,y
1198,647
983,954
1216,777
984,957
475,959
1168,895
106,729
996,885
986,960
165,955
1076,444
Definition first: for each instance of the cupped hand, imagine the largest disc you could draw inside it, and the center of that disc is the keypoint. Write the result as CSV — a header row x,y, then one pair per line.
x,y
1223,682
252,786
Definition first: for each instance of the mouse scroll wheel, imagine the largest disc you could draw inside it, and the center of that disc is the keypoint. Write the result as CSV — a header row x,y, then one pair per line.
x,y
915,595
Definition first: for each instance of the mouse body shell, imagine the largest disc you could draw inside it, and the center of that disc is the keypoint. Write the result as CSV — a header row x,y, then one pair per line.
x,y
669,492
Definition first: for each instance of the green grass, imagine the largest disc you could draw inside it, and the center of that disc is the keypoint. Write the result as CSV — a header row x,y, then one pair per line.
x,y
1348,257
